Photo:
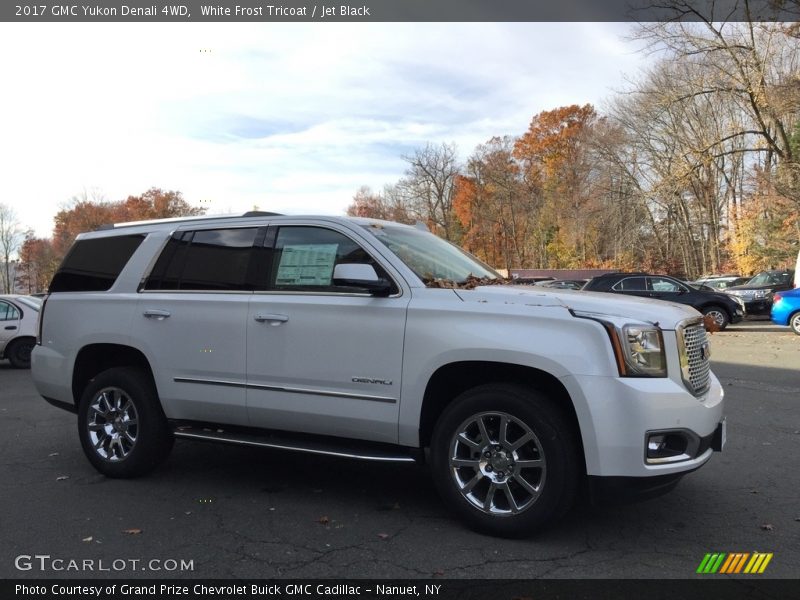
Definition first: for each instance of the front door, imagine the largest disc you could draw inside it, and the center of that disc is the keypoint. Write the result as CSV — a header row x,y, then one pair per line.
x,y
320,358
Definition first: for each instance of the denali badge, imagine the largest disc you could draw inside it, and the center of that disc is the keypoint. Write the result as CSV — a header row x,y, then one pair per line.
x,y
370,380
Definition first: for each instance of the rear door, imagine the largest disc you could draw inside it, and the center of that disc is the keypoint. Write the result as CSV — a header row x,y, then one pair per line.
x,y
664,288
9,323
635,285
320,358
191,318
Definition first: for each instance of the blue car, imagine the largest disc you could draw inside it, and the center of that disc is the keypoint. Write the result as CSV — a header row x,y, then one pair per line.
x,y
786,309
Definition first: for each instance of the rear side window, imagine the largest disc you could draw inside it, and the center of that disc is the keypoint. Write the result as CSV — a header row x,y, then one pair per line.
x,y
206,260
93,265
631,284
8,312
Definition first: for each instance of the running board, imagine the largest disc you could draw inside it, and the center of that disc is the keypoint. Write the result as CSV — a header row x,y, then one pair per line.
x,y
326,445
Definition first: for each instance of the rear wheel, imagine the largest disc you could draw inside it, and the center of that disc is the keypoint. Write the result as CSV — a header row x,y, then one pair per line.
x,y
19,353
718,315
794,322
122,428
505,459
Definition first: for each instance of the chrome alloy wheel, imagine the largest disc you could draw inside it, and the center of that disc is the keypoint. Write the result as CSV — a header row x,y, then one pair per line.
x,y
497,463
113,424
717,316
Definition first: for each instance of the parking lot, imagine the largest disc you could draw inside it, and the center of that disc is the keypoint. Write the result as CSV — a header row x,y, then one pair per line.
x,y
239,512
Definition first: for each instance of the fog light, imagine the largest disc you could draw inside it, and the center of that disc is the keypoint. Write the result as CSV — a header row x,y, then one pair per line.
x,y
667,447
656,443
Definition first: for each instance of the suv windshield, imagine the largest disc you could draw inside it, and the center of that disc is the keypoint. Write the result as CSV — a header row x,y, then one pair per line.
x,y
431,258
767,278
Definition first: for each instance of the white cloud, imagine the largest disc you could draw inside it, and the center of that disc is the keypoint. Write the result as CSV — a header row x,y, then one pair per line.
x,y
292,117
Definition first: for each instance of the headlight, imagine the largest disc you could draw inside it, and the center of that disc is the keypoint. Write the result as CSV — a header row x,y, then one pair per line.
x,y
638,349
644,351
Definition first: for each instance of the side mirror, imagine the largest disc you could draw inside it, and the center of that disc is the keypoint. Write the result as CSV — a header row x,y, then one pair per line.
x,y
361,276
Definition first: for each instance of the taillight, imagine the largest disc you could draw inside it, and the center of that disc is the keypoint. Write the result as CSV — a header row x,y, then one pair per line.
x,y
39,324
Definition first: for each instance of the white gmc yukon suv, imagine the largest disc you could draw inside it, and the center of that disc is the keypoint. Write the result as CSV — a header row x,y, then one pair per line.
x,y
373,340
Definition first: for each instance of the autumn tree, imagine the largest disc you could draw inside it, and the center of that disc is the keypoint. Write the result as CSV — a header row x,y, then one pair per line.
x,y
557,169
428,186
373,205
38,262
10,239
87,213
489,204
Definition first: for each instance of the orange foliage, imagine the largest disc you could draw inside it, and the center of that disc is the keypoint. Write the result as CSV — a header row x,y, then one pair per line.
x,y
87,215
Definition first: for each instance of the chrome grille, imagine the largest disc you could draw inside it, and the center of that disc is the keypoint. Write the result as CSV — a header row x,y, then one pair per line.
x,y
695,355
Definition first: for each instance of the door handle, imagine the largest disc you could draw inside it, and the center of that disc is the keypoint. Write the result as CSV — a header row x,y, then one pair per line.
x,y
273,320
157,314
10,327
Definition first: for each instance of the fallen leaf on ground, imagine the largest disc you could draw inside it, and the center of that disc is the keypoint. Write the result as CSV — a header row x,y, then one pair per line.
x,y
323,520
767,527
132,531
53,454
62,477
87,539
383,536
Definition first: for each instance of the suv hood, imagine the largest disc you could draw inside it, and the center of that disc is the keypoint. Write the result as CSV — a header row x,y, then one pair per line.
x,y
667,314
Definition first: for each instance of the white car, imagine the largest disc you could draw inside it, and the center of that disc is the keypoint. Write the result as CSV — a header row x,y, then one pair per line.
x,y
373,340
18,319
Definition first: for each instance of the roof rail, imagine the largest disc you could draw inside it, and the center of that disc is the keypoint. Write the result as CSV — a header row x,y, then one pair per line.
x,y
248,214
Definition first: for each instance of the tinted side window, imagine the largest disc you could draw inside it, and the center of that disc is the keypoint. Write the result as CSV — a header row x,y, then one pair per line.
x,y
303,259
8,312
208,260
93,265
631,284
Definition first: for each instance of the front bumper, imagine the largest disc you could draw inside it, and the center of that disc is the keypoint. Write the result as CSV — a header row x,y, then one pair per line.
x,y
605,490
616,413
758,307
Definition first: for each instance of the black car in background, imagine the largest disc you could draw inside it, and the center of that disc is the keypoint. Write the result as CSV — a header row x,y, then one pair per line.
x,y
757,293
724,309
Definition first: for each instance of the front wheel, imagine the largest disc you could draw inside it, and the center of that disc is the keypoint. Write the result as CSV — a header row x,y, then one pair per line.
x,y
505,459
121,425
794,322
718,316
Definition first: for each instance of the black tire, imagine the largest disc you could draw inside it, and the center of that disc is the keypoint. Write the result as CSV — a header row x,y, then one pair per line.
x,y
719,314
121,425
19,351
541,494
794,322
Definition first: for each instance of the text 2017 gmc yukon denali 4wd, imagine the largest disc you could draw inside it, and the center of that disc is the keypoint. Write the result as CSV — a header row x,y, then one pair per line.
x,y
375,340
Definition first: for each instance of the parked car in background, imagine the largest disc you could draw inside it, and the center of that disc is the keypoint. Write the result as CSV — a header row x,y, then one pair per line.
x,y
757,292
786,309
18,318
723,309
720,283
563,284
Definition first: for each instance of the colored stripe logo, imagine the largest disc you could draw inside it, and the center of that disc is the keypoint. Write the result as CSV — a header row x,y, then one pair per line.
x,y
734,562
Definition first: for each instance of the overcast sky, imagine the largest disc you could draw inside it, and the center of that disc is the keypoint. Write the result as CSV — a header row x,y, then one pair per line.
x,y
291,117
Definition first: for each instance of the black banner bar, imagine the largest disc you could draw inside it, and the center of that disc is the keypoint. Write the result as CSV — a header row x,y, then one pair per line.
x,y
729,588
280,11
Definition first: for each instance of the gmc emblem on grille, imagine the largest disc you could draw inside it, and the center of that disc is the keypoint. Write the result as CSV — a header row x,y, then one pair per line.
x,y
705,351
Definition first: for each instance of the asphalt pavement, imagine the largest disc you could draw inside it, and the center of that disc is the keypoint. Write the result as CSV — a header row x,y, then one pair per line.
x,y
215,511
